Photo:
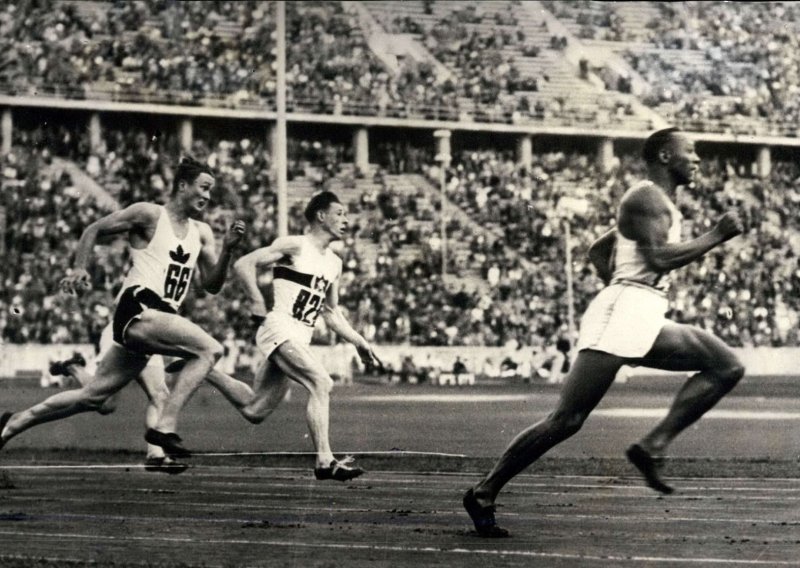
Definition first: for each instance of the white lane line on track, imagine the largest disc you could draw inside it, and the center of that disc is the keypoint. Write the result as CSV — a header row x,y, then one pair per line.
x,y
444,397
418,480
352,452
423,549
624,412
633,412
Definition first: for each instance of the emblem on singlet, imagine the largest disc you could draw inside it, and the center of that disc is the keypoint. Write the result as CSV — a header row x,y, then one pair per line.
x,y
308,305
178,275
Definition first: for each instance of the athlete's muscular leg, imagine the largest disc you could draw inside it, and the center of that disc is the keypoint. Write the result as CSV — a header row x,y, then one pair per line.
x,y
270,386
587,382
152,379
170,334
238,393
297,363
688,348
83,377
117,368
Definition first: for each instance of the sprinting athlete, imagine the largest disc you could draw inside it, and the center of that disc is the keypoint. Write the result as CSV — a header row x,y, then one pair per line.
x,y
306,284
626,325
166,244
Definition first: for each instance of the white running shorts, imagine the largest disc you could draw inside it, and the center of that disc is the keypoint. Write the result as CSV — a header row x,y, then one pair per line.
x,y
624,320
279,328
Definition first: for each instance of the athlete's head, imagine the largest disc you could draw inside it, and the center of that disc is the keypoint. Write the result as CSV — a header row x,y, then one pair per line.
x,y
326,211
193,184
672,150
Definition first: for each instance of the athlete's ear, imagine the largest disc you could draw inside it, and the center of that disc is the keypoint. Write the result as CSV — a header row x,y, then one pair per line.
x,y
664,155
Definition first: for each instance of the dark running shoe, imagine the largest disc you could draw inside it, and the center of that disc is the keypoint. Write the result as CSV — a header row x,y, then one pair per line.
x,y
338,471
3,421
482,517
171,443
60,368
649,467
165,465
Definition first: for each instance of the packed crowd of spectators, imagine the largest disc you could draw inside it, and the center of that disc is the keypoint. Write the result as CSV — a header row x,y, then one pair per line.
x,y
510,231
159,50
222,53
718,66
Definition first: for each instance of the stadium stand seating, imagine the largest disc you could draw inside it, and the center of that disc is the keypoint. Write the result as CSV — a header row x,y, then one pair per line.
x,y
502,63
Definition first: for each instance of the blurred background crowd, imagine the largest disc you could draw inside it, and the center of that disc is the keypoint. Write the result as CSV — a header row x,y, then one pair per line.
x,y
718,67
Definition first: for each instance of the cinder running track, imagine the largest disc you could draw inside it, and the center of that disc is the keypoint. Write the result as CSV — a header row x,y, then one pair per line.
x,y
242,516
73,493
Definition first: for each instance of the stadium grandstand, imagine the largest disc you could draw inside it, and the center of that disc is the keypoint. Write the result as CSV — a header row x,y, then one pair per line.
x,y
477,238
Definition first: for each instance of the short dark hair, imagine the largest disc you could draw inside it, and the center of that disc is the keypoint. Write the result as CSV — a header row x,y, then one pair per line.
x,y
320,202
656,142
188,170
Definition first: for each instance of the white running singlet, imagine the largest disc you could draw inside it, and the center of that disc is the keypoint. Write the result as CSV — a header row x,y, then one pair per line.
x,y
167,263
299,286
630,265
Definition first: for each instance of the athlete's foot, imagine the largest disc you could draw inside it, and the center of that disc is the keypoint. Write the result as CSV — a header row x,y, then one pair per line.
x,y
649,466
164,464
338,471
170,442
482,517
62,367
3,421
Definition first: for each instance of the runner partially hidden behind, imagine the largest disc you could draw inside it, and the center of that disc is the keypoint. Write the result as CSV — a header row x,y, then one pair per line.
x,y
626,325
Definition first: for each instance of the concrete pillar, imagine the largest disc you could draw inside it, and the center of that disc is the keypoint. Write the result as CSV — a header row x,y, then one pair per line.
x,y
272,139
605,154
442,146
185,134
361,149
95,132
7,127
525,151
764,161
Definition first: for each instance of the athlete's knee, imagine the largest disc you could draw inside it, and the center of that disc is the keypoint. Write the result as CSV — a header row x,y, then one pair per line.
x,y
211,351
108,406
566,423
256,415
322,383
215,351
95,400
731,372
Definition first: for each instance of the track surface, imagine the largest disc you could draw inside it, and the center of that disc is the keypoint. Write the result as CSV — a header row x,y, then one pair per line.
x,y
737,505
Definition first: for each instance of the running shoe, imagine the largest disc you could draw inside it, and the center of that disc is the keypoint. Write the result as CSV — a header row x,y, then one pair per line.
x,y
482,517
164,464
649,466
170,442
338,470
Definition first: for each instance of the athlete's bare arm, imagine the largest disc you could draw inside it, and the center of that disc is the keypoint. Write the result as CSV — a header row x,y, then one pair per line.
x,y
139,220
645,218
336,321
244,269
213,270
601,255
